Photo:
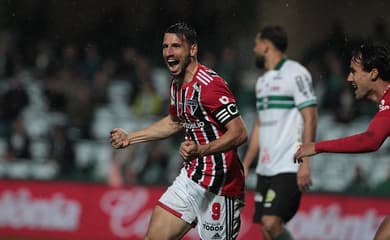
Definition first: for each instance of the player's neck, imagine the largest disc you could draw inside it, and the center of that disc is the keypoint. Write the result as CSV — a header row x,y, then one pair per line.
x,y
273,60
190,71
380,90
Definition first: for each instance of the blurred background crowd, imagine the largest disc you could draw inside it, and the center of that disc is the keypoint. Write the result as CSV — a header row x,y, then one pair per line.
x,y
70,71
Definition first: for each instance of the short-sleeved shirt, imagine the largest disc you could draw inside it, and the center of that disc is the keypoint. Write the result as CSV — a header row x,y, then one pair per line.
x,y
204,106
280,95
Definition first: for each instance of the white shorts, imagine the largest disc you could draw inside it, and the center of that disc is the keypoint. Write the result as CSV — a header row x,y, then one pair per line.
x,y
217,217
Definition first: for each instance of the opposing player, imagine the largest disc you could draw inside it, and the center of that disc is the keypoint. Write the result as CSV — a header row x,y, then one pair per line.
x,y
209,190
287,115
370,76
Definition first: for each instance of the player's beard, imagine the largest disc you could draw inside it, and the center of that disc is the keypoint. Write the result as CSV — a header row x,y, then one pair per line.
x,y
260,62
187,61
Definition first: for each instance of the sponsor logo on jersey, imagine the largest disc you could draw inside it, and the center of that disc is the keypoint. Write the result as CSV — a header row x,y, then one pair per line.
x,y
216,236
193,125
382,106
212,227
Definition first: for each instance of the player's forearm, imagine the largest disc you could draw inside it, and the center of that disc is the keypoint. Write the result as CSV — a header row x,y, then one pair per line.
x,y
253,146
309,125
309,130
158,130
359,143
368,141
231,139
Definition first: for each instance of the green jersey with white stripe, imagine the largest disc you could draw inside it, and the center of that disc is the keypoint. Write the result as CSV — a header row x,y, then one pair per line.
x,y
280,94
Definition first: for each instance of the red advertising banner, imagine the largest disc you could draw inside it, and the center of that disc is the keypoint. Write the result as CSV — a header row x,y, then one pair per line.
x,y
68,210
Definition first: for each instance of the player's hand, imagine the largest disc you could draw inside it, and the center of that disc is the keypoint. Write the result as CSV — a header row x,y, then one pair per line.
x,y
304,150
119,138
304,177
189,150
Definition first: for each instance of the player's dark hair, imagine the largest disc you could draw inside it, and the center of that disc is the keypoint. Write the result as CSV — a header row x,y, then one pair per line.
x,y
276,35
185,31
374,55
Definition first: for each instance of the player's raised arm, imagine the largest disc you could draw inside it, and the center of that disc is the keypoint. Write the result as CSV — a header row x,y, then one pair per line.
x,y
161,129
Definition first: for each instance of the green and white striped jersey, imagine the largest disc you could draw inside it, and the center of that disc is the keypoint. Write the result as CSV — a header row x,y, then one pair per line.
x,y
280,94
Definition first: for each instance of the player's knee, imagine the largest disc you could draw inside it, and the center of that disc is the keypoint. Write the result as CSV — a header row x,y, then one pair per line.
x,y
272,225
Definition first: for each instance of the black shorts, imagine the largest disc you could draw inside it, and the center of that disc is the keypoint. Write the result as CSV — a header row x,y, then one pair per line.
x,y
277,195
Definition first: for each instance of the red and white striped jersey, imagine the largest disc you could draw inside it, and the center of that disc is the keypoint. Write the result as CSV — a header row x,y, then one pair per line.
x,y
204,106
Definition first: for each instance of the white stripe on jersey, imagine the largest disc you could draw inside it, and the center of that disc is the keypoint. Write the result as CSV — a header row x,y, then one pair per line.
x,y
203,77
222,115
206,75
202,80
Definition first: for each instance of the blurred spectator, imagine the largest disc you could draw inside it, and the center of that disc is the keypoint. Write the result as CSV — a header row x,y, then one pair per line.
x,y
100,86
92,62
127,69
80,110
45,62
154,171
347,109
383,187
334,81
61,149
147,102
359,183
14,100
55,95
7,54
18,142
109,67
227,68
70,59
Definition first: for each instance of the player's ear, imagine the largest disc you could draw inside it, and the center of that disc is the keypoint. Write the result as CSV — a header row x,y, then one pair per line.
x,y
374,74
194,50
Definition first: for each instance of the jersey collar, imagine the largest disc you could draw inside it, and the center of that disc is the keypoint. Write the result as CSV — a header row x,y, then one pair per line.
x,y
280,64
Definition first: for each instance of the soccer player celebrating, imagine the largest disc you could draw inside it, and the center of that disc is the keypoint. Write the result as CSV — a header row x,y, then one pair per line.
x,y
287,115
209,190
370,77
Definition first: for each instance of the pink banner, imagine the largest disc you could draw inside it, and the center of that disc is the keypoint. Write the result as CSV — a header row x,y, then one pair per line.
x,y
57,210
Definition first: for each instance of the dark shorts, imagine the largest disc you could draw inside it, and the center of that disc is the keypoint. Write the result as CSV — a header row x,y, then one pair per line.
x,y
277,195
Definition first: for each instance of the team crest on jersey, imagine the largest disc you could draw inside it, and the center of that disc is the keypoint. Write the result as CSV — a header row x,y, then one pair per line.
x,y
191,105
196,87
383,106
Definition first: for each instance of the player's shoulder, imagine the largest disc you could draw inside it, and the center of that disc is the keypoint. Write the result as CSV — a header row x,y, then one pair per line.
x,y
206,76
384,103
295,66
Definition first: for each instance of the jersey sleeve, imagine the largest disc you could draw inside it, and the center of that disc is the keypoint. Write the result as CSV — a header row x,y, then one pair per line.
x,y
219,101
368,141
303,90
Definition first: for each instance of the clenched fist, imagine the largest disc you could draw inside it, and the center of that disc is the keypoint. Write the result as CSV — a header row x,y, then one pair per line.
x,y
119,138
188,150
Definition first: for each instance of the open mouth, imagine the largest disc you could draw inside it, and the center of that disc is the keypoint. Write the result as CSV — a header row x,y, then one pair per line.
x,y
354,86
172,62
